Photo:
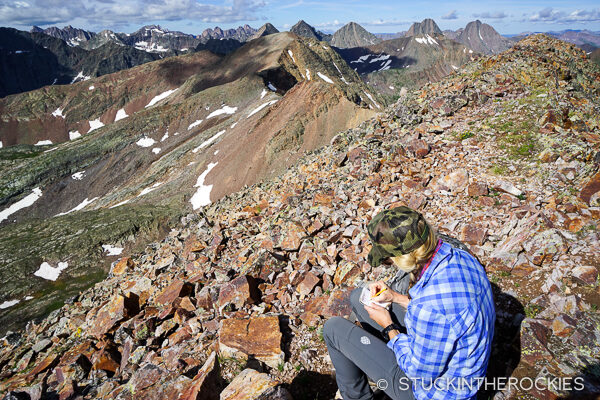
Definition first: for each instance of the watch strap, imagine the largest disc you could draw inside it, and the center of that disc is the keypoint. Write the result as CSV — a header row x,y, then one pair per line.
x,y
389,328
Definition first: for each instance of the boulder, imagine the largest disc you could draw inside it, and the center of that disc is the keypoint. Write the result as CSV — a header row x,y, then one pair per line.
x,y
258,337
239,292
206,385
586,274
253,385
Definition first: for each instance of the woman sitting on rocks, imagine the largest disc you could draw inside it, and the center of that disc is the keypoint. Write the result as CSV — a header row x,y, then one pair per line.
x,y
433,343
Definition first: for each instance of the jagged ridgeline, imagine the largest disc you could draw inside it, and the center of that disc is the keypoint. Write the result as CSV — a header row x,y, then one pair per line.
x,y
113,162
502,155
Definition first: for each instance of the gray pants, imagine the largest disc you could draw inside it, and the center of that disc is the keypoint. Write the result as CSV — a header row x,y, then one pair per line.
x,y
358,353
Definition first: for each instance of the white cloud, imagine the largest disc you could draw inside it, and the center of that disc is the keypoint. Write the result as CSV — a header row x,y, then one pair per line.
x,y
492,15
451,15
124,12
549,14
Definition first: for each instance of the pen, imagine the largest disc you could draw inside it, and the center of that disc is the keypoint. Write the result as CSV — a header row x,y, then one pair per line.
x,y
378,293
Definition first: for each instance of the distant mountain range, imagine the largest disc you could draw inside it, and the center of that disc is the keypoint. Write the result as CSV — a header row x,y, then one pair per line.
x,y
66,55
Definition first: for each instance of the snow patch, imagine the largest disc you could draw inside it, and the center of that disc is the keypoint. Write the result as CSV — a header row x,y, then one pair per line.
x,y
156,150
80,77
95,124
271,87
224,110
391,87
194,124
78,175
58,113
23,203
74,135
81,206
112,250
165,137
216,152
202,195
324,77
43,143
371,98
48,272
0,144
307,74
9,303
380,58
234,124
292,55
92,87
121,203
160,97
261,107
361,59
148,190
454,66
263,93
470,51
121,114
207,142
145,142
479,31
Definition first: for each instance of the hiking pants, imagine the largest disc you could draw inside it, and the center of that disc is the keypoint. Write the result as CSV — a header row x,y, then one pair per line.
x,y
358,353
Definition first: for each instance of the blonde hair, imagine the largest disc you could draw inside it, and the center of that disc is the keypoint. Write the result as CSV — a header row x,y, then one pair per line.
x,y
416,259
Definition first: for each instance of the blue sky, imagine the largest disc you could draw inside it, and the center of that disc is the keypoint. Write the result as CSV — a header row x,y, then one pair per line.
x,y
193,16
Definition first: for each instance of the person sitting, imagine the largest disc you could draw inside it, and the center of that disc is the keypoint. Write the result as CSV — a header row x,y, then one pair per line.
x,y
435,341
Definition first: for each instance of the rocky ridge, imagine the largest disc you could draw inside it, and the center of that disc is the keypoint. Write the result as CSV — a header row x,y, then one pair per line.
x,y
503,155
135,150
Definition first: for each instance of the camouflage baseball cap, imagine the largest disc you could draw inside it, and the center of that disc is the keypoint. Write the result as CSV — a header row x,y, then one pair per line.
x,y
395,232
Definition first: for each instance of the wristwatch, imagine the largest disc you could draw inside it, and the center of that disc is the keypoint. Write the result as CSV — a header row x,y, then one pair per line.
x,y
389,328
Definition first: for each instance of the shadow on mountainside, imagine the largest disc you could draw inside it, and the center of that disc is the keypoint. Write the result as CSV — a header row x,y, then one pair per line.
x,y
590,379
506,347
311,385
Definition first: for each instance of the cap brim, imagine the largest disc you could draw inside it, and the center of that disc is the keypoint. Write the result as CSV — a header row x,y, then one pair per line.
x,y
377,255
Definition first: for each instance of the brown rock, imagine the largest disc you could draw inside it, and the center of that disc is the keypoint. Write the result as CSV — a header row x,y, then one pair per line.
x,y
253,385
534,340
239,292
291,236
145,377
204,299
206,385
419,148
477,189
590,190
258,337
586,273
307,284
346,273
122,266
563,325
473,234
108,316
547,156
176,289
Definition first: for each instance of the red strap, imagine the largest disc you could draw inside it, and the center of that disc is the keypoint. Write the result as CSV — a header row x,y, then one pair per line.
x,y
439,244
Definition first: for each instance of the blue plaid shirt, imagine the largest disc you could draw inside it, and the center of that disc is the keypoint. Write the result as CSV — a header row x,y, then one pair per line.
x,y
450,327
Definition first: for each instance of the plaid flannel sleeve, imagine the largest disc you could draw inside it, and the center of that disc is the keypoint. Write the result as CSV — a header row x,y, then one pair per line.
x,y
423,352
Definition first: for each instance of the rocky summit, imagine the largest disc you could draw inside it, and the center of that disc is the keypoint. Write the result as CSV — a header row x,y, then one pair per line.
x,y
502,155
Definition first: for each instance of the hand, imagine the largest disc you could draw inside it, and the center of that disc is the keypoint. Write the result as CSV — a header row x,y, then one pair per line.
x,y
379,314
386,297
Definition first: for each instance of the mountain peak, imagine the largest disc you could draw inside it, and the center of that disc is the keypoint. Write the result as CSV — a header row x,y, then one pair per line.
x,y
353,35
427,26
266,29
